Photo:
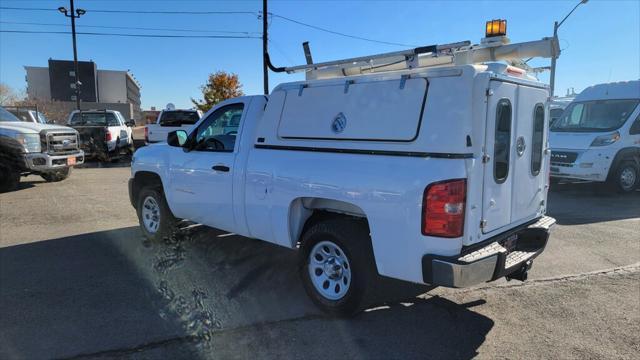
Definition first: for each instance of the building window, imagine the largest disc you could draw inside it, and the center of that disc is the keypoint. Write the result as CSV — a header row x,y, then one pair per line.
x,y
72,73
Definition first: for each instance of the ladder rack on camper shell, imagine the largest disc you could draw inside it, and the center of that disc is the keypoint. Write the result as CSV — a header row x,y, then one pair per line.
x,y
460,53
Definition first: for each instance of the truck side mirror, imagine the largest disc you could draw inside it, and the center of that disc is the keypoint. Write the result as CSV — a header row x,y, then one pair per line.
x,y
177,138
131,123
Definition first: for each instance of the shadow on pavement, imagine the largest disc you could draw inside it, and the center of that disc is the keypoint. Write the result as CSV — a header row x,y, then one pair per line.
x,y
583,203
112,293
96,164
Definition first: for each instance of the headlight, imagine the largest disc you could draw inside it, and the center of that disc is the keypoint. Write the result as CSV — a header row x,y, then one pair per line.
x,y
31,142
604,140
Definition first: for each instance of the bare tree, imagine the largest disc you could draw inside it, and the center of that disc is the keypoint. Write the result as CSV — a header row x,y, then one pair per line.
x,y
8,96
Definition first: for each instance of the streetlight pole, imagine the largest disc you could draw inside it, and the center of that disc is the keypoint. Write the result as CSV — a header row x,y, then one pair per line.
x,y
74,13
265,69
556,26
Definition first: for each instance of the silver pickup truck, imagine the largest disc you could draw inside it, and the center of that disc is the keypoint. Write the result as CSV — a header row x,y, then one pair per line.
x,y
33,148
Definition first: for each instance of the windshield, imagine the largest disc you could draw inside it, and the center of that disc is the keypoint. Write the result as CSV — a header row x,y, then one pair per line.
x,y
595,116
95,118
177,118
41,118
7,116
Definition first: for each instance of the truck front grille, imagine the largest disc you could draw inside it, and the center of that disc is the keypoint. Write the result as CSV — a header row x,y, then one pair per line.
x,y
60,143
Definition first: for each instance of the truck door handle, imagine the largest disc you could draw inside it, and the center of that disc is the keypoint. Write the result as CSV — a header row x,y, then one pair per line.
x,y
221,168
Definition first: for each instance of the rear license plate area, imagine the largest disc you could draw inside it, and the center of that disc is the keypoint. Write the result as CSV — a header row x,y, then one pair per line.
x,y
510,243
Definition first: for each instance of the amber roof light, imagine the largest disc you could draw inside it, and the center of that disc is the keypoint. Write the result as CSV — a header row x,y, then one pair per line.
x,y
496,28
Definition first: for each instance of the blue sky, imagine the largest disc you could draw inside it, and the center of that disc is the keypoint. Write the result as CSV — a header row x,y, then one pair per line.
x,y
600,41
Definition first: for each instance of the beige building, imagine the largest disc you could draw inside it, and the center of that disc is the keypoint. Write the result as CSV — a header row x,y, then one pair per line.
x,y
100,89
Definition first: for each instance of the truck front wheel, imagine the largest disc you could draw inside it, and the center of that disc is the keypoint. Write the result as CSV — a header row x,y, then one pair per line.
x,y
154,215
336,265
58,175
627,176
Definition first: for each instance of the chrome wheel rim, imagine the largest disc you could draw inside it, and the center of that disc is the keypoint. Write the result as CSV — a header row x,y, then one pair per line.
x,y
627,178
150,214
329,270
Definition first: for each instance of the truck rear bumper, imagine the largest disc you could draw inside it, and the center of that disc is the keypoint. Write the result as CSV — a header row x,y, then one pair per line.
x,y
500,256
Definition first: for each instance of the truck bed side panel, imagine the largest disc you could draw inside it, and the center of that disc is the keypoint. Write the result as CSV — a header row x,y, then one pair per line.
x,y
388,190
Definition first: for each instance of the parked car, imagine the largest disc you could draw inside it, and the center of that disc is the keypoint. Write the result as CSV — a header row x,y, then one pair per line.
x,y
28,114
598,137
170,120
50,151
104,134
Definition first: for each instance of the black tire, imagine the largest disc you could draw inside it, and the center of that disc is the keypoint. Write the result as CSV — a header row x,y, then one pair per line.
x,y
626,177
58,175
9,178
352,236
166,220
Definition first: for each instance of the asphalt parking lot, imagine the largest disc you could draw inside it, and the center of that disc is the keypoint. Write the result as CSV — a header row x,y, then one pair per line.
x,y
77,280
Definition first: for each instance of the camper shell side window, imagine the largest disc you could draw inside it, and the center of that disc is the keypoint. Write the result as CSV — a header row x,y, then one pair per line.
x,y
536,142
502,147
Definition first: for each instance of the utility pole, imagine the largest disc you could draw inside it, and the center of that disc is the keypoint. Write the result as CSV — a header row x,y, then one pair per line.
x,y
74,14
265,68
556,26
552,80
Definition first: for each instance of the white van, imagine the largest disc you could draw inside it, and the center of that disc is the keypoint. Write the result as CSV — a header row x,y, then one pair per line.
x,y
598,136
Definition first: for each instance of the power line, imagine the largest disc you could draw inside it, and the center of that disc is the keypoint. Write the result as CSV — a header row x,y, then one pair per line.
x,y
27,9
225,13
339,33
171,12
131,28
134,35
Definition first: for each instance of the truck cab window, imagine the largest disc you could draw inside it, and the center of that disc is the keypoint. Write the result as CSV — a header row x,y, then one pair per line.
x,y
536,143
94,119
502,146
178,118
218,131
635,127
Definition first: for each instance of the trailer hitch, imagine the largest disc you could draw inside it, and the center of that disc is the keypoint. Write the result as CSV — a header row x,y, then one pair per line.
x,y
522,273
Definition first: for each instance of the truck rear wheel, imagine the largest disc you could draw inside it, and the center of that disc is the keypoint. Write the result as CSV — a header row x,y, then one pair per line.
x,y
57,175
9,178
336,265
627,176
154,215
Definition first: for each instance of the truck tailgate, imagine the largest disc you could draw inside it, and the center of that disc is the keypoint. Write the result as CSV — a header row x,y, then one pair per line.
x,y
92,139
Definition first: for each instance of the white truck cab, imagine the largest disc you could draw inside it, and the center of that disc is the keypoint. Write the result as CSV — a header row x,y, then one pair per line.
x,y
104,134
598,136
170,120
434,174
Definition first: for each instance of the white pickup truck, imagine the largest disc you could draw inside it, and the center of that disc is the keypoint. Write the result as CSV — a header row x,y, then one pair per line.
x,y
170,120
429,175
26,148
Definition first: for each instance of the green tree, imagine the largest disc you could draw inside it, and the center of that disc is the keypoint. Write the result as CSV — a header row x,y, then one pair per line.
x,y
219,87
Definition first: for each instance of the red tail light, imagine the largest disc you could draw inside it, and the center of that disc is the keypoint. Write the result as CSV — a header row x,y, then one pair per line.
x,y
107,136
443,206
146,134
